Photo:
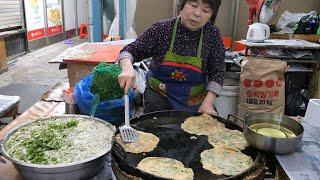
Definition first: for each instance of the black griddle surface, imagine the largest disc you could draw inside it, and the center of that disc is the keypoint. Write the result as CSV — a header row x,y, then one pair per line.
x,y
174,143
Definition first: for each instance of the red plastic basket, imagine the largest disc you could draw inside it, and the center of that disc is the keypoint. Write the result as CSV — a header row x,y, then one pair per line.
x,y
252,2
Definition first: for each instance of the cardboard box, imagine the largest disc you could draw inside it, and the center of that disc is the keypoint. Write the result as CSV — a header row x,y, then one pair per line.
x,y
76,71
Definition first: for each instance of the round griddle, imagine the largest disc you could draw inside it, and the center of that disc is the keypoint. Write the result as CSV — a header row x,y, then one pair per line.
x,y
176,144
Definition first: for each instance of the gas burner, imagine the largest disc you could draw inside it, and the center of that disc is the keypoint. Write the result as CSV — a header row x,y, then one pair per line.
x,y
106,172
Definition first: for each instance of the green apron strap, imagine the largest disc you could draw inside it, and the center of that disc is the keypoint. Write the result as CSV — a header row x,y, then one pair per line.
x,y
173,39
200,45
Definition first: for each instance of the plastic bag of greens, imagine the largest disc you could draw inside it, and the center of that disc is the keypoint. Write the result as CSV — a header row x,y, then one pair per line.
x,y
109,110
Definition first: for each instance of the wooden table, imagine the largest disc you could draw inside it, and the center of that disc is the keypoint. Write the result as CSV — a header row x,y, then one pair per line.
x,y
308,37
86,56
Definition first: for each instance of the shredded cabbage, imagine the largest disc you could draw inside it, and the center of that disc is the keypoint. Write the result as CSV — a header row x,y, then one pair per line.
x,y
59,141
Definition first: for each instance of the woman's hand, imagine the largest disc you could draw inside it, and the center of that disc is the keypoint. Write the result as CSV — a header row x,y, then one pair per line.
x,y
207,108
127,77
207,104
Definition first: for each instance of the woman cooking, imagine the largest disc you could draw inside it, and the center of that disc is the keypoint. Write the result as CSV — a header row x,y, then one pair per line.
x,y
187,67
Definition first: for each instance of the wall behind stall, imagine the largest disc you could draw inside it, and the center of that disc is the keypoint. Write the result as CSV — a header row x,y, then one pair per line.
x,y
294,6
151,11
224,17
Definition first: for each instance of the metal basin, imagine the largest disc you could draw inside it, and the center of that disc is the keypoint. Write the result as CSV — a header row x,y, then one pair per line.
x,y
272,144
77,170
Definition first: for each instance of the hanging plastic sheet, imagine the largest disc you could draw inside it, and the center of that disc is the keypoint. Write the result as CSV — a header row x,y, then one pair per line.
x,y
141,72
130,11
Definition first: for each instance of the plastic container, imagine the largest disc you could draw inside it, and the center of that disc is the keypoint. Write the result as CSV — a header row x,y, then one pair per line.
x,y
313,112
227,102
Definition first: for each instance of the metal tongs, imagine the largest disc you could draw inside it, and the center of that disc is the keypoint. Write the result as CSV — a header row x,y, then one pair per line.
x,y
128,134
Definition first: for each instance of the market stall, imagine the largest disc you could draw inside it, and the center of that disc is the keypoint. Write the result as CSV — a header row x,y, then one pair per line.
x,y
169,130
88,129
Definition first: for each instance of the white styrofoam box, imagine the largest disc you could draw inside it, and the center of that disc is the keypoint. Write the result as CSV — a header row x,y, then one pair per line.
x,y
313,112
6,102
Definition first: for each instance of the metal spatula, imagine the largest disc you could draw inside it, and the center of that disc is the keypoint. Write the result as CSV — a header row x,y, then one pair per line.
x,y
128,134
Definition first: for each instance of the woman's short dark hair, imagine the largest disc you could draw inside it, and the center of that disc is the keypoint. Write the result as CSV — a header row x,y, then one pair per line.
x,y
214,5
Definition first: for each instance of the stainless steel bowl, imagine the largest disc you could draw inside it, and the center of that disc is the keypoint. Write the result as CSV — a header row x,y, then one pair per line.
x,y
77,170
272,144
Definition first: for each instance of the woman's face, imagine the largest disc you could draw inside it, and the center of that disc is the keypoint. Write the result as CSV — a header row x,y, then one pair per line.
x,y
195,14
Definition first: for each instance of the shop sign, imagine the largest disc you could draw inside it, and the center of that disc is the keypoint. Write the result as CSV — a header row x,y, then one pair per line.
x,y
34,19
54,17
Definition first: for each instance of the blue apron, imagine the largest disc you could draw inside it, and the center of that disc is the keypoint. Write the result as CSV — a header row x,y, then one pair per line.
x,y
180,78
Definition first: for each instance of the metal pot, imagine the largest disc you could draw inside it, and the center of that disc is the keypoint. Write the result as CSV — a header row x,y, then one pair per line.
x,y
272,144
76,170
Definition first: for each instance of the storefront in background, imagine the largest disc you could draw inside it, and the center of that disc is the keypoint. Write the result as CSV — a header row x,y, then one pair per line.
x,y
51,21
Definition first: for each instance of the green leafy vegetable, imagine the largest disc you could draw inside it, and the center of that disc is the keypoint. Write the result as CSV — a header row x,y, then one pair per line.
x,y
48,138
105,81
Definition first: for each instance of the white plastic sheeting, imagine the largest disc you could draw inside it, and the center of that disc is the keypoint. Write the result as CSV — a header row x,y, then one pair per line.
x,y
108,15
69,10
82,12
129,31
288,20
